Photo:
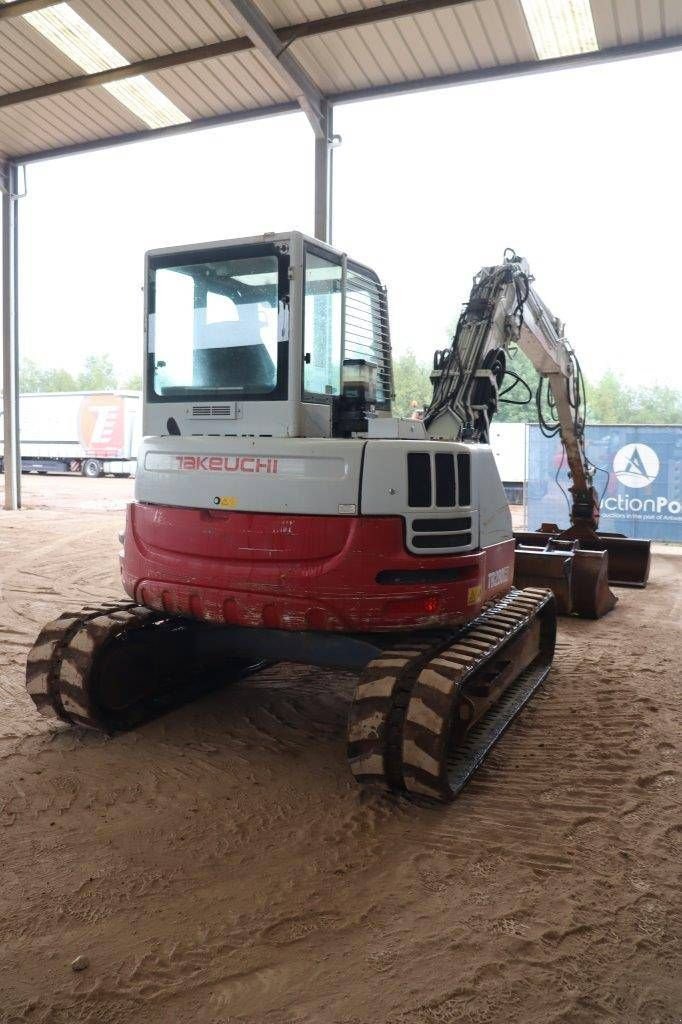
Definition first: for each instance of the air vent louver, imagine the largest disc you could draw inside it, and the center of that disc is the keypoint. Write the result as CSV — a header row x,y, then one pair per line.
x,y
451,488
439,484
464,478
446,496
442,540
441,525
213,410
419,479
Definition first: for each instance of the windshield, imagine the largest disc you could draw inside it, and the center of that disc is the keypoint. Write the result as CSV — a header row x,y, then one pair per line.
x,y
213,328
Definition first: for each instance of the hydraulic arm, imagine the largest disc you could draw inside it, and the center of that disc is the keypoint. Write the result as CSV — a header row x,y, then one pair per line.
x,y
505,312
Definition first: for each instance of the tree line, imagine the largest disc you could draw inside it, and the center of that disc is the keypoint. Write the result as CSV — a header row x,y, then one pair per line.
x,y
97,375
609,399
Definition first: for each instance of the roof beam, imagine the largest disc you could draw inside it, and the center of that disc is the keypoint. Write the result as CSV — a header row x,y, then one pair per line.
x,y
139,67
498,72
352,19
259,30
172,131
504,71
286,35
18,7
364,16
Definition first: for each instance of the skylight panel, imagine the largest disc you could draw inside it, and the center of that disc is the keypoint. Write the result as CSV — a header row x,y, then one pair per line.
x,y
560,28
71,34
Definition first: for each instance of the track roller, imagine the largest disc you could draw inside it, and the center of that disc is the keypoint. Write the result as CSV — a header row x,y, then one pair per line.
x,y
426,714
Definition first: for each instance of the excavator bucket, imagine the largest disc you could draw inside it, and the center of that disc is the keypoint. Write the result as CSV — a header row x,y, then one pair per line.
x,y
628,559
539,567
577,578
591,595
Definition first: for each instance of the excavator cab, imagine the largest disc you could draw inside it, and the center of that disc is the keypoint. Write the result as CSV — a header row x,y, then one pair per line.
x,y
217,334
277,335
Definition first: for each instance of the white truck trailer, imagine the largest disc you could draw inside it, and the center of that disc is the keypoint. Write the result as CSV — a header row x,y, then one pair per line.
x,y
509,442
88,432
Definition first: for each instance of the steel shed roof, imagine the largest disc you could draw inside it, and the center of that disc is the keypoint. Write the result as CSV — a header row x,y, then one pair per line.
x,y
194,52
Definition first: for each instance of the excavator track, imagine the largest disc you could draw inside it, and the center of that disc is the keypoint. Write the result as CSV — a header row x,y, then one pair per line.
x,y
426,714
56,679
113,666
427,709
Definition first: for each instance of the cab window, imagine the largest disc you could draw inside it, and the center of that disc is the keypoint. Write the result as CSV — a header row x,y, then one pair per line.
x,y
213,328
322,326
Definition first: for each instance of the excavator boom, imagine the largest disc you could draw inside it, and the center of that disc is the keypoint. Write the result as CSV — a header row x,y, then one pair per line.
x,y
505,312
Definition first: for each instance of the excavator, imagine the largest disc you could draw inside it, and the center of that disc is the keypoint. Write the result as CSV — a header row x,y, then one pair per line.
x,y
282,513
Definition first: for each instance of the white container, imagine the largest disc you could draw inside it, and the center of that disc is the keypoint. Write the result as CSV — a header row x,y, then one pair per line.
x,y
92,432
508,442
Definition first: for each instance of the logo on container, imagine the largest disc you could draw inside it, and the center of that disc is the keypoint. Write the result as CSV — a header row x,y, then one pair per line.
x,y
636,465
100,425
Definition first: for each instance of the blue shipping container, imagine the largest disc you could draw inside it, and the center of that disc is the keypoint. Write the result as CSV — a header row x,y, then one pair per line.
x,y
639,480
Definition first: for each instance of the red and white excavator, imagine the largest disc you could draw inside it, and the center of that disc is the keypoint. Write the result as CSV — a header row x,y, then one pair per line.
x,y
282,513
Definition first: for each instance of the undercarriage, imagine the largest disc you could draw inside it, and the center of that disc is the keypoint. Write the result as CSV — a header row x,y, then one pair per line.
x,y
428,707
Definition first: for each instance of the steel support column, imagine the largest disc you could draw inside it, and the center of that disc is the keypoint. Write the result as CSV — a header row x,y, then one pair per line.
x,y
253,22
309,96
324,157
10,335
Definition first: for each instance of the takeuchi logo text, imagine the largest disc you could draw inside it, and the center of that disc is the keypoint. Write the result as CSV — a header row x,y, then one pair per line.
x,y
226,463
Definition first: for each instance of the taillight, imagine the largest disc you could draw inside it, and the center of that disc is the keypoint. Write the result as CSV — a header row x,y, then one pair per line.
x,y
400,608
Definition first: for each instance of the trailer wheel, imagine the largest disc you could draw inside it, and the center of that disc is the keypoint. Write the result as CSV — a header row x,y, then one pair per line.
x,y
91,468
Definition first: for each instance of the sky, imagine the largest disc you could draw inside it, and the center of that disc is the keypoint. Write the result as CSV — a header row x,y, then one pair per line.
x,y
578,170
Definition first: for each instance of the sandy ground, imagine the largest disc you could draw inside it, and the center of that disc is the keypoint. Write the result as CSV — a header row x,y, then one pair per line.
x,y
62,491
220,864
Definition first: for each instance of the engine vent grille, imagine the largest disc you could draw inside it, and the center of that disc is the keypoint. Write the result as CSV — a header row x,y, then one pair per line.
x,y
452,476
213,410
439,486
419,479
442,533
442,540
442,525
464,478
